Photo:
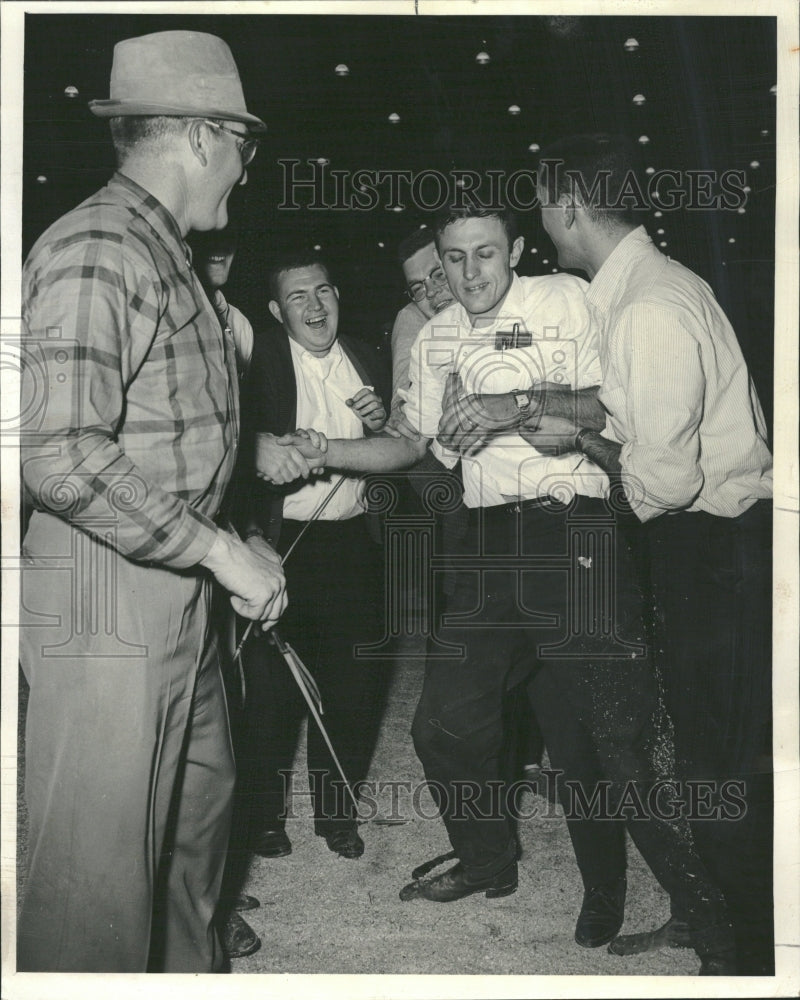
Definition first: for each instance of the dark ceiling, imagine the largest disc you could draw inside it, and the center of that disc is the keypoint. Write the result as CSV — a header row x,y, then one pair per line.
x,y
708,107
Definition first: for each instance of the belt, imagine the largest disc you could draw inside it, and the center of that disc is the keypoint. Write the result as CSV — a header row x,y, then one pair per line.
x,y
517,506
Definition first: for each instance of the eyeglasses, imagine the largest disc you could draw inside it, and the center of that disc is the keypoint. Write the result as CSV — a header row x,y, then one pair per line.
x,y
249,143
417,290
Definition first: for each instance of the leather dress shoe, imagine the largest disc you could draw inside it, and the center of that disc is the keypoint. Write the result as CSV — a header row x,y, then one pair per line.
x,y
346,843
273,844
245,902
673,934
238,937
602,913
453,884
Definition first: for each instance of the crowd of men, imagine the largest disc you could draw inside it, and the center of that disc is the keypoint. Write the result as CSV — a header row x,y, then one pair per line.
x,y
620,408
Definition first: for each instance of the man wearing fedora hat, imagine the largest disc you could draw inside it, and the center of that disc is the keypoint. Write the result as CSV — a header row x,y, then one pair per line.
x,y
129,771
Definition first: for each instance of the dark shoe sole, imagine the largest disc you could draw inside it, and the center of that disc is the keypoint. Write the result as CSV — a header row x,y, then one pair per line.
x,y
673,934
432,891
500,891
273,854
282,849
597,942
414,891
238,938
245,951
244,902
350,846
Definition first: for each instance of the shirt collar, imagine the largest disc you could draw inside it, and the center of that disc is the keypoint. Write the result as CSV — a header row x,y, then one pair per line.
x,y
153,212
512,307
604,285
305,357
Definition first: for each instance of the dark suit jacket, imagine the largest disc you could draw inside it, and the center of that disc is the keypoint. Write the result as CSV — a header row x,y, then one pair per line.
x,y
269,403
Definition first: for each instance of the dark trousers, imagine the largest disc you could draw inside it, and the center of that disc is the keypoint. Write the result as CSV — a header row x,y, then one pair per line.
x,y
712,581
505,613
335,588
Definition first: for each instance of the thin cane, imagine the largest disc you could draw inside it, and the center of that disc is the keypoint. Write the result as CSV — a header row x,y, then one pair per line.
x,y
300,673
238,653
303,677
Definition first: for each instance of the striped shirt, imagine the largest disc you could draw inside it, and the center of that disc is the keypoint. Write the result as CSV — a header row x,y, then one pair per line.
x,y
679,397
140,415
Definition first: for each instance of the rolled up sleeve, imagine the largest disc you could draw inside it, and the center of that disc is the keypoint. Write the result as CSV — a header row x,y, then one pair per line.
x,y
659,367
433,358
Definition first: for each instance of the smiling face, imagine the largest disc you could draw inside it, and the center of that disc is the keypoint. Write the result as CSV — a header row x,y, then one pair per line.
x,y
478,262
214,268
223,171
423,269
308,307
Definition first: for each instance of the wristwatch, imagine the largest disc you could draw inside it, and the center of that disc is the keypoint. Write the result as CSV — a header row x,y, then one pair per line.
x,y
579,438
523,400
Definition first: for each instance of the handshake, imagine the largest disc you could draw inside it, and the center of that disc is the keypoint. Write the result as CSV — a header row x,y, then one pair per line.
x,y
292,456
301,453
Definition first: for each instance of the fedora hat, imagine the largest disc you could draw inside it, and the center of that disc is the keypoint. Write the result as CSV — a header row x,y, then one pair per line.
x,y
176,73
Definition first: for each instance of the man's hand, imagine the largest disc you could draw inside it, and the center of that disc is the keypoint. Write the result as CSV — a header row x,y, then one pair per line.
x,y
468,422
277,461
397,425
368,407
252,573
310,444
552,436
317,441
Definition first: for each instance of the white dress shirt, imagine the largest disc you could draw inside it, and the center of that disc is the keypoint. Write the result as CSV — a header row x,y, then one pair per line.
x,y
241,330
323,385
407,324
552,309
679,397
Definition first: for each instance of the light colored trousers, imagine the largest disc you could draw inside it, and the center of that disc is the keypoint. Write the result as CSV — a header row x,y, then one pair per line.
x,y
127,756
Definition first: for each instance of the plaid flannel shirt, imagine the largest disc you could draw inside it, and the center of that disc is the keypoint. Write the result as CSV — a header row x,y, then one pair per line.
x,y
139,420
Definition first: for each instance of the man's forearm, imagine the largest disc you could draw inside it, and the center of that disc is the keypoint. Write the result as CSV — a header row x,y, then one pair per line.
x,y
600,450
375,454
581,406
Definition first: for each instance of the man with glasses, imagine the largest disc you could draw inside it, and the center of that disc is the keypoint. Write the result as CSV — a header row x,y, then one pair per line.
x,y
129,770
430,294
532,599
426,286
246,144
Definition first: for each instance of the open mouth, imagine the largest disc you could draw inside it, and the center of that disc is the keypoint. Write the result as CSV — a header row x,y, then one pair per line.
x,y
441,304
317,322
476,289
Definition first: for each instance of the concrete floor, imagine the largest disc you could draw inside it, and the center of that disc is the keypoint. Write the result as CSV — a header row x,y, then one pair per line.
x,y
322,914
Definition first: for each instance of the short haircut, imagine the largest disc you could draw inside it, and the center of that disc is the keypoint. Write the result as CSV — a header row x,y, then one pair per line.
x,y
579,163
293,262
135,132
472,211
132,132
413,243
